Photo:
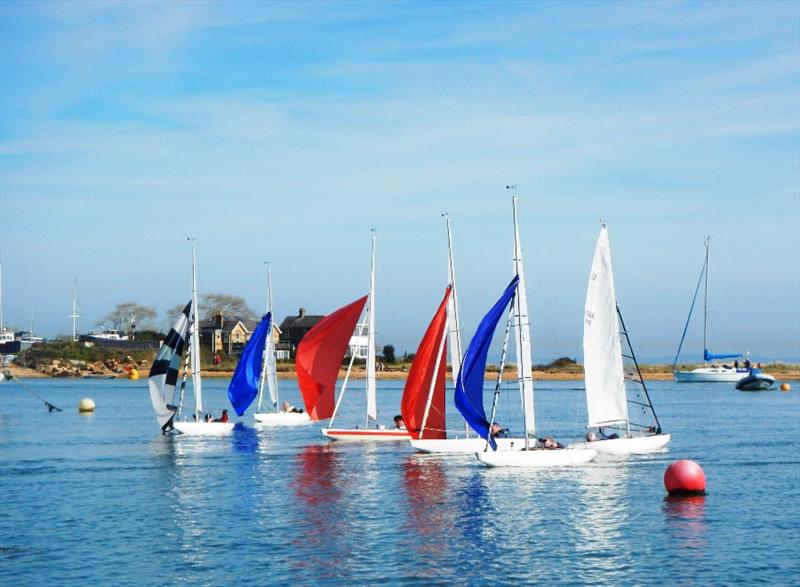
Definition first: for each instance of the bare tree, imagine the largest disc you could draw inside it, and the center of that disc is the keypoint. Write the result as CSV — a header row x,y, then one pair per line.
x,y
214,303
128,315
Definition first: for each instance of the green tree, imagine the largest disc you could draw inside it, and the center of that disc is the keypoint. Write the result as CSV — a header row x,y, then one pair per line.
x,y
388,354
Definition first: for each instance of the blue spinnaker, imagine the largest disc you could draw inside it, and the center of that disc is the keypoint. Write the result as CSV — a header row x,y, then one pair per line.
x,y
469,386
243,388
709,356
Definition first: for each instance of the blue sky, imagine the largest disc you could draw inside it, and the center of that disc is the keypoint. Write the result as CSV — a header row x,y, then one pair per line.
x,y
286,131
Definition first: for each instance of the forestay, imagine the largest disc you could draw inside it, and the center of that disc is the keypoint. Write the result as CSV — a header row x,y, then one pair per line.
x,y
164,372
602,356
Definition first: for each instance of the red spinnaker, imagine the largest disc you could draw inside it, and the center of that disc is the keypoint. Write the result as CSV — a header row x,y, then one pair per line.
x,y
319,356
420,376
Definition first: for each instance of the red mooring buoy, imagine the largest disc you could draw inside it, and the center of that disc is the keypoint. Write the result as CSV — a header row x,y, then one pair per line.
x,y
684,477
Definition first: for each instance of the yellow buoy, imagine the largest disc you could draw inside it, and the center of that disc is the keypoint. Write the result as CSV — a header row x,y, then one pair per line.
x,y
785,387
86,405
133,374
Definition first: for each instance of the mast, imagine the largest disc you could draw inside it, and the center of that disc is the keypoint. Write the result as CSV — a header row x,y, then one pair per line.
x,y
74,314
195,341
705,305
454,323
268,363
2,327
523,335
372,408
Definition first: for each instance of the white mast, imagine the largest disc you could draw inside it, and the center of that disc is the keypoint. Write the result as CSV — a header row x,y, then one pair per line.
x,y
454,322
2,327
705,305
74,314
268,371
195,341
372,408
523,337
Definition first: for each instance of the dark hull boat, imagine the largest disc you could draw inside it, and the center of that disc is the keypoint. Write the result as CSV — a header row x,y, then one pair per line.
x,y
756,381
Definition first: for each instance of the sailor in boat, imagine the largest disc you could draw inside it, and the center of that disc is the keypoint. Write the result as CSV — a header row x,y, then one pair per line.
x,y
399,424
549,443
290,409
223,417
498,431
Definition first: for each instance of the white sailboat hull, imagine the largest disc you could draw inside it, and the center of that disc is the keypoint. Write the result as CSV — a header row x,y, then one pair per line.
x,y
638,445
204,428
365,434
710,375
281,418
461,445
561,457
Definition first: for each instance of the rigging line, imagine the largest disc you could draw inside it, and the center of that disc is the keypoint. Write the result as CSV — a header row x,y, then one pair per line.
x,y
638,371
689,317
50,407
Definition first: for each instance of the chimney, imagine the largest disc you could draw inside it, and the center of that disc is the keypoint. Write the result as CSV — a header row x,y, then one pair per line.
x,y
301,312
220,320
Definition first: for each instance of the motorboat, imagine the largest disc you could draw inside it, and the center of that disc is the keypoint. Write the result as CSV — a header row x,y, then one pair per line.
x,y
756,381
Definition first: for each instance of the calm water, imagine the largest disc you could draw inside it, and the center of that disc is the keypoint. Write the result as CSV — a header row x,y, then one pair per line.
x,y
105,499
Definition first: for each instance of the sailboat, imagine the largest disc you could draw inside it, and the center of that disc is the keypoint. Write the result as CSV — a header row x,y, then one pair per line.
x,y
424,405
708,373
280,416
606,394
528,451
319,355
166,398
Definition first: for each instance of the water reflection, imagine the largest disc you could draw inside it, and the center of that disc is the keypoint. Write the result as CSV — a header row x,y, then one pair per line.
x,y
601,517
429,514
323,538
685,519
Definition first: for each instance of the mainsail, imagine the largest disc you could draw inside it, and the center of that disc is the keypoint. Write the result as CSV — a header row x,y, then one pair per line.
x,y
469,387
319,356
423,404
606,398
243,387
164,372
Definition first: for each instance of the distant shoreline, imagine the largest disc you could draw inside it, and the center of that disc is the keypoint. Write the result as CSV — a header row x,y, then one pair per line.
x,y
650,373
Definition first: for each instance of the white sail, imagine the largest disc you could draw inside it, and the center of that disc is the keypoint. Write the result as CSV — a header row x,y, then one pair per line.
x,y
606,399
269,372
195,345
372,406
453,321
523,335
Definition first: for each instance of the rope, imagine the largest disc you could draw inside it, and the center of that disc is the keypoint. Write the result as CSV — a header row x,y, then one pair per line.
x,y
50,407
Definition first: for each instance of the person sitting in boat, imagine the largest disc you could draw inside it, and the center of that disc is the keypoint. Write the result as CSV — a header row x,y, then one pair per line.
x,y
550,443
399,424
289,408
223,417
207,418
591,437
607,436
498,431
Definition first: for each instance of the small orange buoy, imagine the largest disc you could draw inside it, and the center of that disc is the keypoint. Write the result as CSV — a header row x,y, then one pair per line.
x,y
785,387
684,477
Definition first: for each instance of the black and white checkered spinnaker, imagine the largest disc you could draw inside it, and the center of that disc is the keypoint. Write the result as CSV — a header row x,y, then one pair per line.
x,y
164,372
